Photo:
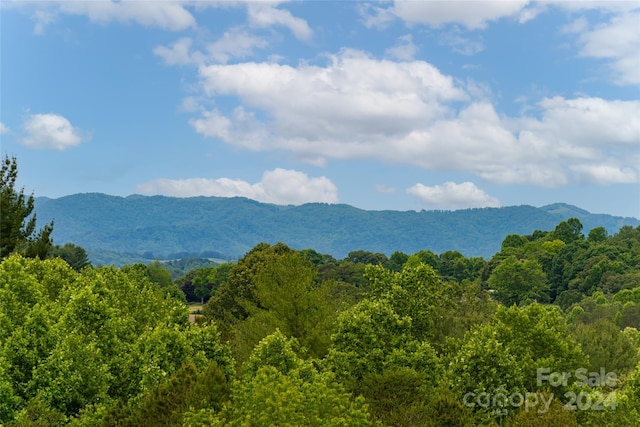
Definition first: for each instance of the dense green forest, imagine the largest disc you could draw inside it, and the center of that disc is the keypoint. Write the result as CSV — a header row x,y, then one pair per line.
x,y
125,230
544,333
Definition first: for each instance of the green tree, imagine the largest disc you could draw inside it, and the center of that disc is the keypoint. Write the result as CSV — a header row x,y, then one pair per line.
x,y
18,219
519,282
416,292
503,356
598,234
371,338
203,282
513,241
78,342
187,390
236,295
569,230
538,335
281,389
425,257
481,363
9,401
289,298
366,257
75,256
397,260
606,346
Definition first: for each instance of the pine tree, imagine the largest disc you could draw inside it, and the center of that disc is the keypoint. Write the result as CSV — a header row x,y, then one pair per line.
x,y
17,219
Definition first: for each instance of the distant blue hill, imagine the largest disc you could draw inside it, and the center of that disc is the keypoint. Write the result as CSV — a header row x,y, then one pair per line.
x,y
127,229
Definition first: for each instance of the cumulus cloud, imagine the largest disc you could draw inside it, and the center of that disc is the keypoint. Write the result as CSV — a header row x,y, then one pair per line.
x,y
616,41
235,43
606,174
453,196
278,186
51,131
265,14
171,16
471,14
354,95
178,53
404,50
408,112
588,122
3,129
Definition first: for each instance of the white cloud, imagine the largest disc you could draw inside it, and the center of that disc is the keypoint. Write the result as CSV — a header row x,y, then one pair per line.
x,y
619,42
409,113
263,15
43,18
190,104
278,186
3,129
588,122
384,189
375,16
178,53
576,26
353,97
51,131
606,174
606,6
460,44
453,196
235,43
241,129
404,50
471,14
167,15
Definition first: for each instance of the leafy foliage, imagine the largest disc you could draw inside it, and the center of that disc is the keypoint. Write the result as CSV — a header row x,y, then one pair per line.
x,y
72,341
367,340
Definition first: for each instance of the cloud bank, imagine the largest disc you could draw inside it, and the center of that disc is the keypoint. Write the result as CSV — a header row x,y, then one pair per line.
x,y
410,113
453,196
278,186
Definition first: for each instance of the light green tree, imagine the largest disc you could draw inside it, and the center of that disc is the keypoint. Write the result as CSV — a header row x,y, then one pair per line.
x,y
77,343
281,389
519,282
289,298
371,338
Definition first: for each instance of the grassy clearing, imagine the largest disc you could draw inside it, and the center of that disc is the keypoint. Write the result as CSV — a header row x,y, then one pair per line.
x,y
195,308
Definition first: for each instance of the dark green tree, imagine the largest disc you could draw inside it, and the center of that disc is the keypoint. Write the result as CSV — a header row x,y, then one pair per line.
x,y
17,218
75,256
397,260
598,234
569,230
366,257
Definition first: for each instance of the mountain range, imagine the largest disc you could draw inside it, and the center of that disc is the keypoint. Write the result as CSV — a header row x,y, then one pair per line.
x,y
118,230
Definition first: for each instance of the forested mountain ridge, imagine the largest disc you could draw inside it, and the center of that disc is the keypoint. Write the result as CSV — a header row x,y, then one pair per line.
x,y
162,227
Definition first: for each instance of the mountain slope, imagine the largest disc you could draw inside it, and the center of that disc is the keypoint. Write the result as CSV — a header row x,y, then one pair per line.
x,y
159,226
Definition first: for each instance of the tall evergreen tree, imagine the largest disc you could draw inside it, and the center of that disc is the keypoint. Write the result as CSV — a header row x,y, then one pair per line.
x,y
17,219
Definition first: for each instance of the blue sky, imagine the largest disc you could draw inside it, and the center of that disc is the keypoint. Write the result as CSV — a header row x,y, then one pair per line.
x,y
380,105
